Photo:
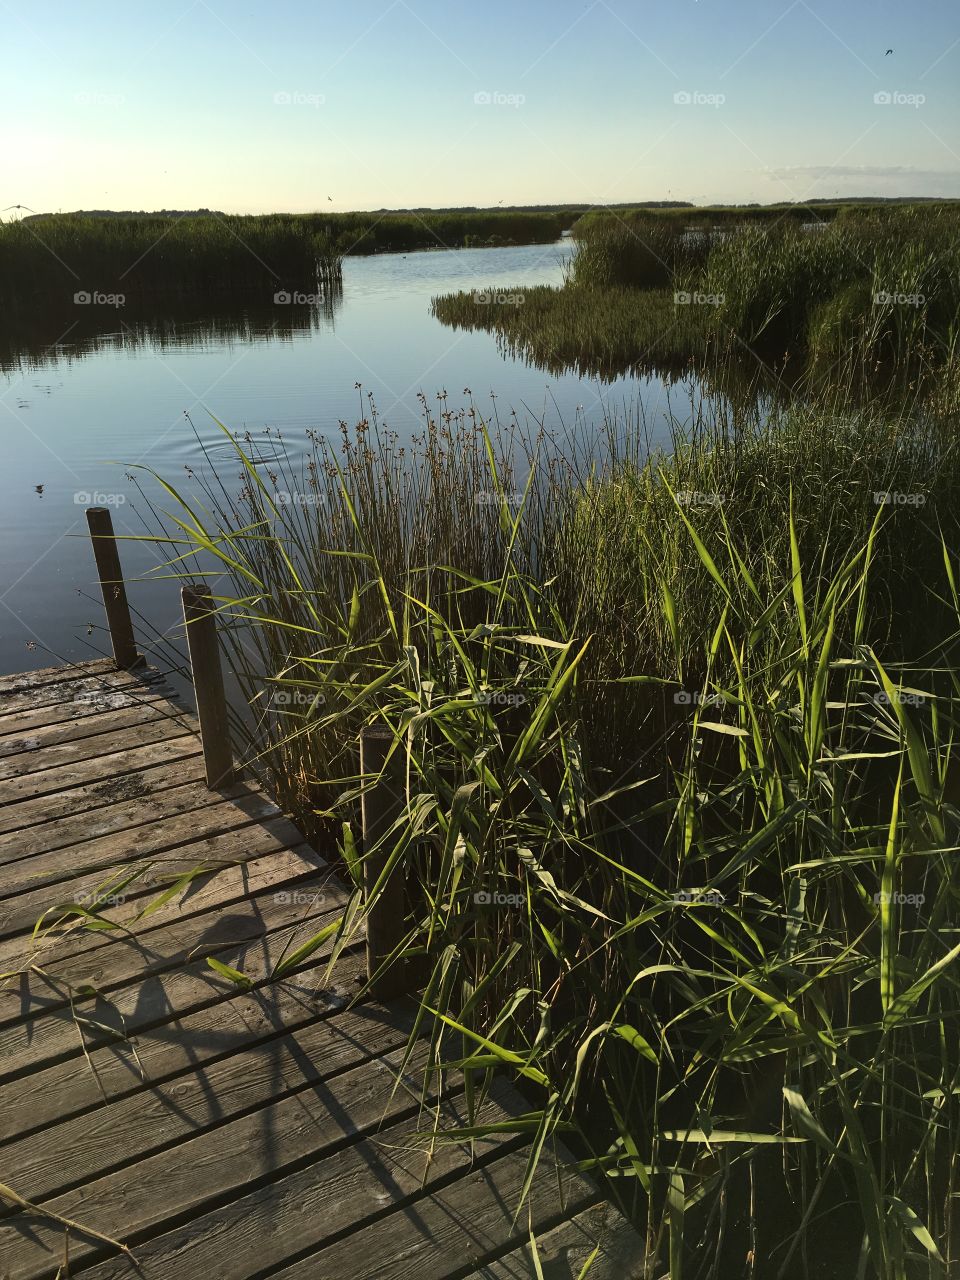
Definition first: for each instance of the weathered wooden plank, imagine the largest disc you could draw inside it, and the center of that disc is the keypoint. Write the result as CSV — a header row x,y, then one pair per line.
x,y
25,680
451,1227
563,1252
20,914
223,1131
95,691
136,1202
37,820
187,1041
76,764
161,837
75,1153
142,726
221,888
137,800
282,1218
46,986
101,1019
87,720
68,722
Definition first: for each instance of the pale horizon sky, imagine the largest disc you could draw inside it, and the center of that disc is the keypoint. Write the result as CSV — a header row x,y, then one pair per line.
x,y
253,107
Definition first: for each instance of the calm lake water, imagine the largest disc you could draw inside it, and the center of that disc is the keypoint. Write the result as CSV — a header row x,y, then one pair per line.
x,y
83,397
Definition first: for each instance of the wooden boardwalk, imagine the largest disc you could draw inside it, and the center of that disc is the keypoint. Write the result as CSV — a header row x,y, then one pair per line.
x,y
217,1132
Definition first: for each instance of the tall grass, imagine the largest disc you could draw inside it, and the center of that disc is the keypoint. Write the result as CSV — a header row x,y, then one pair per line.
x,y
643,251
403,232
886,282
50,259
593,329
794,212
206,254
679,824
873,292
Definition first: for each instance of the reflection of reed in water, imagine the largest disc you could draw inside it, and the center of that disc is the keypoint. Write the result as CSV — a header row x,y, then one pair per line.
x,y
45,334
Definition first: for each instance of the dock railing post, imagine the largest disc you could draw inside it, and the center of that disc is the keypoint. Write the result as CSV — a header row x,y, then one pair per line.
x,y
204,650
119,623
382,803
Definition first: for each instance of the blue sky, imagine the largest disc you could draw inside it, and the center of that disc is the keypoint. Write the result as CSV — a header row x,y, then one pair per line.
x,y
255,105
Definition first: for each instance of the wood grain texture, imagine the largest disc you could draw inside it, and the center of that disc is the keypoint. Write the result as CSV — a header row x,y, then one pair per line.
x,y
598,1235
226,1129
98,760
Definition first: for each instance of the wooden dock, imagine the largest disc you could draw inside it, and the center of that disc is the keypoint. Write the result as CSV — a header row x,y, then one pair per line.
x,y
218,1131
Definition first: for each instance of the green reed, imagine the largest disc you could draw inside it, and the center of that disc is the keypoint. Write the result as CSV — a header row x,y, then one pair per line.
x,y
679,822
48,260
872,295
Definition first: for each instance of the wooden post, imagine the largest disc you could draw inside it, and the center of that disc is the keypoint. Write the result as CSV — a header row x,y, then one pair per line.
x,y
204,652
382,802
119,623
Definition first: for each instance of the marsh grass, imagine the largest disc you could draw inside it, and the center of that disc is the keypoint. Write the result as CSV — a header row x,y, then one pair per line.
x,y
870,299
595,330
405,232
661,756
179,256
800,213
142,257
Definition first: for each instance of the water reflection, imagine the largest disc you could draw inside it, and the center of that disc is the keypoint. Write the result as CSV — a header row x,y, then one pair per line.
x,y
743,376
35,336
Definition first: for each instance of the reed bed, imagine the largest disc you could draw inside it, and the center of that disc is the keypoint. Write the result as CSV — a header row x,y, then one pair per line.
x,y
680,811
404,232
51,259
795,212
877,289
597,330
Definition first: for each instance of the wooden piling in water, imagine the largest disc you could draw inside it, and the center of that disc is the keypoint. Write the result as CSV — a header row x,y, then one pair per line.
x,y
382,803
119,622
204,650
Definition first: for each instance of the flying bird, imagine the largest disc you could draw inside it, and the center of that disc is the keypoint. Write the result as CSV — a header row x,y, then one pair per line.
x,y
888,53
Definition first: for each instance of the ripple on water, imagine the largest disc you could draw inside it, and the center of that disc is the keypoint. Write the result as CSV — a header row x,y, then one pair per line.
x,y
262,449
